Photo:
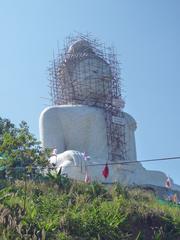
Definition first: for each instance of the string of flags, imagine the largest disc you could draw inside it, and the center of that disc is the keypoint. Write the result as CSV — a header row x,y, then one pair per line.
x,y
171,196
54,152
87,178
105,171
86,157
168,183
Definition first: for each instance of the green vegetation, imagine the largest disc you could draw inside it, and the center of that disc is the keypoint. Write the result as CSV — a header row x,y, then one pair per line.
x,y
53,207
19,149
83,211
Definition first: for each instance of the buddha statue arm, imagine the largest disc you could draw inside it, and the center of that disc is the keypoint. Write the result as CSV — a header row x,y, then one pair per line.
x,y
51,132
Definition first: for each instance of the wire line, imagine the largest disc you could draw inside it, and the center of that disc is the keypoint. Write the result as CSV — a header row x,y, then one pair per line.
x,y
102,164
130,162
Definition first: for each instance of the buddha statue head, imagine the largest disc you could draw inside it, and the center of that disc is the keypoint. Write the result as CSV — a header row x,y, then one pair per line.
x,y
83,76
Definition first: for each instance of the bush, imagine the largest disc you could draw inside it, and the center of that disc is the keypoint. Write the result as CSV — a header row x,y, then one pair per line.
x,y
83,211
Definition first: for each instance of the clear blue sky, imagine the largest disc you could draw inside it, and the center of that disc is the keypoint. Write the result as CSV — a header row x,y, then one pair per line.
x,y
146,35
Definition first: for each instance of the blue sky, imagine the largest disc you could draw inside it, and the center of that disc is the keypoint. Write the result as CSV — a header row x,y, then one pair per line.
x,y
146,35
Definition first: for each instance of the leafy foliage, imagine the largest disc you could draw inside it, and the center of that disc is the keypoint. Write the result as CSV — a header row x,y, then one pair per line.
x,y
19,148
6,127
84,211
55,207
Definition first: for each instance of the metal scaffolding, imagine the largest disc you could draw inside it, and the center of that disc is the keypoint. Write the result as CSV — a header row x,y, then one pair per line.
x,y
86,72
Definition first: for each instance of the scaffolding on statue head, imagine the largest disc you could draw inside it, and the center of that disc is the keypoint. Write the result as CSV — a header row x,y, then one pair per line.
x,y
66,88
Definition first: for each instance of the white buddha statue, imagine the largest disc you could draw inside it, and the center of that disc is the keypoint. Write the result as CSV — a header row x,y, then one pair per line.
x,y
77,123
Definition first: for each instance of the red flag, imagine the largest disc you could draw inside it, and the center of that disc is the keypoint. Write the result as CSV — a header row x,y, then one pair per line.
x,y
105,171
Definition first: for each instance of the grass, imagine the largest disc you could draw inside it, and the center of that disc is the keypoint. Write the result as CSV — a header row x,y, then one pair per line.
x,y
68,210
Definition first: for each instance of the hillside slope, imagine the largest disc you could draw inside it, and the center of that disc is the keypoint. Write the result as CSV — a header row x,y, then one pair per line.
x,y
61,209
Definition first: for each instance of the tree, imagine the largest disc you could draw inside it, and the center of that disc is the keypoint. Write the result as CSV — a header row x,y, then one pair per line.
x,y
19,148
6,127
